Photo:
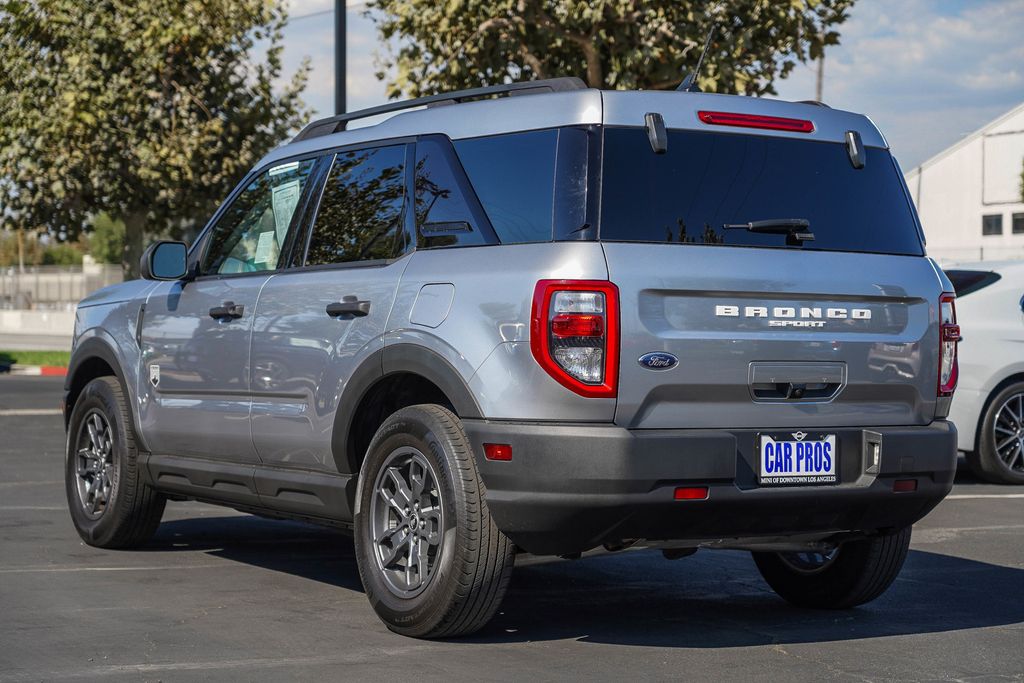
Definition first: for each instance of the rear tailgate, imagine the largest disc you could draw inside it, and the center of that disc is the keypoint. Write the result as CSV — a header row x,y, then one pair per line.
x,y
858,333
775,326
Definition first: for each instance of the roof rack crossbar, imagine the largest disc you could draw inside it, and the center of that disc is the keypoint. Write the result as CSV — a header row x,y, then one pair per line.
x,y
338,123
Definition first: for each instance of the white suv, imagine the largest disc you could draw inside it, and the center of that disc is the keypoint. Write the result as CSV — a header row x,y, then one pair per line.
x,y
989,406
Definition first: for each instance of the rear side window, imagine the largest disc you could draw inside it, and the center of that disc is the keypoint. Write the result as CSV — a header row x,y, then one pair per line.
x,y
706,180
967,281
514,178
445,215
360,214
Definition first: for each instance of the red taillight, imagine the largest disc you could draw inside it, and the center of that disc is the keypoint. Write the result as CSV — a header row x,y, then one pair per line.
x,y
722,118
574,334
577,325
949,335
498,451
691,493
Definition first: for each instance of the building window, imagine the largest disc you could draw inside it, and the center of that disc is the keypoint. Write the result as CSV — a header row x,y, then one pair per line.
x,y
1018,223
992,224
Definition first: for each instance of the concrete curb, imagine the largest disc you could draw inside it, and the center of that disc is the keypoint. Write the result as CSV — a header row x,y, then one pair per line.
x,y
39,370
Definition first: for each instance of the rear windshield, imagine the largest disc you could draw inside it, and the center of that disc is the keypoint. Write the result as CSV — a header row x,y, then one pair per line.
x,y
968,281
706,180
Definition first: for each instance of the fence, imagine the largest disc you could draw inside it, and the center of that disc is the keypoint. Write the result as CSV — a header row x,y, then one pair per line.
x,y
53,287
953,255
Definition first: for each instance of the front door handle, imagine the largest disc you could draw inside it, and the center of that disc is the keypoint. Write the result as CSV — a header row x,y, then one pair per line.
x,y
350,307
228,311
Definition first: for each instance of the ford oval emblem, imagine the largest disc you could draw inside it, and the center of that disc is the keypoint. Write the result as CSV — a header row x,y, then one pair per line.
x,y
658,360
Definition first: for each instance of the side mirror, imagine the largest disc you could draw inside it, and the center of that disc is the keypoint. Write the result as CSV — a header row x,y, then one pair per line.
x,y
164,261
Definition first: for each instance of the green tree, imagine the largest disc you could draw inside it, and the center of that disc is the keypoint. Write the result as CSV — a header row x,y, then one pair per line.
x,y
629,44
17,248
62,254
106,242
150,110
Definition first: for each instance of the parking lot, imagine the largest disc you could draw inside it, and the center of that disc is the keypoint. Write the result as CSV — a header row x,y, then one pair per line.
x,y
219,594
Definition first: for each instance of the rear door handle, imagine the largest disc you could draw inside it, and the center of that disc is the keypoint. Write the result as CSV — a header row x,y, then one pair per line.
x,y
228,311
348,308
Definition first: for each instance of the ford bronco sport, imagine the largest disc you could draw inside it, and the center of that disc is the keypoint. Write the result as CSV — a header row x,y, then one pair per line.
x,y
551,322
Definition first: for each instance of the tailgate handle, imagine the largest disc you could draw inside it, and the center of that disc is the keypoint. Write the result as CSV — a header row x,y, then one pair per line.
x,y
793,391
796,381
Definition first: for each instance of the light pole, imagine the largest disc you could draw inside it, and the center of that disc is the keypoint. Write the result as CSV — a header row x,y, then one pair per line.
x,y
820,81
339,56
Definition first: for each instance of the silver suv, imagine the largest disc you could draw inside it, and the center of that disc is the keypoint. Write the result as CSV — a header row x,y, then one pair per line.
x,y
544,323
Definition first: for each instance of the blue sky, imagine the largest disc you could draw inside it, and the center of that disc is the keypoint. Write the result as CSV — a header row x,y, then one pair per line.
x,y
927,72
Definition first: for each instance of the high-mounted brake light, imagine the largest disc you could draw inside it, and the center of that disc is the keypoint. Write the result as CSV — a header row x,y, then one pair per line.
x,y
574,334
949,335
723,118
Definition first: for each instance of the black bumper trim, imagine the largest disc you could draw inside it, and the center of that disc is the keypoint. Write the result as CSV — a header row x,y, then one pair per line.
x,y
571,487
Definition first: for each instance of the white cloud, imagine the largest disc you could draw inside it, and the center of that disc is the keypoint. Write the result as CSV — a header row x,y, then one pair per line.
x,y
310,33
927,73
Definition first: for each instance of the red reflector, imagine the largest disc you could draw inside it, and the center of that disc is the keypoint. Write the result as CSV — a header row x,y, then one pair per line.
x,y
497,451
691,493
577,325
722,118
904,485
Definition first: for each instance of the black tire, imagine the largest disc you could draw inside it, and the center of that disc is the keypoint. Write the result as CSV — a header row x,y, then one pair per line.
x,y
984,461
860,572
473,560
132,510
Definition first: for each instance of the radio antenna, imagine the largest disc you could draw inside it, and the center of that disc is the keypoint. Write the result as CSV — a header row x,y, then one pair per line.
x,y
689,83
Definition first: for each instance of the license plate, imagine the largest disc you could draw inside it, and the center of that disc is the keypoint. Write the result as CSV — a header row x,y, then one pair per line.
x,y
797,458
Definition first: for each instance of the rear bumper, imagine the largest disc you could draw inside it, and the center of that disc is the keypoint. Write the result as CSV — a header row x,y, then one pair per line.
x,y
569,488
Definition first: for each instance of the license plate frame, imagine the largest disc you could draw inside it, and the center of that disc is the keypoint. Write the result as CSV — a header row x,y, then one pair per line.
x,y
806,463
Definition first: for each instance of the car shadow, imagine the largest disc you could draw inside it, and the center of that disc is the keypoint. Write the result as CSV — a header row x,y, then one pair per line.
x,y
718,599
709,600
966,478
314,552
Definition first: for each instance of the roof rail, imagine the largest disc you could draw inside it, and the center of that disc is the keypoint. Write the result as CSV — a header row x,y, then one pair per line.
x,y
338,123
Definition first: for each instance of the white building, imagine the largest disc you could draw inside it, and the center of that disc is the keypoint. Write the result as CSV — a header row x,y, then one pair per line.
x,y
969,195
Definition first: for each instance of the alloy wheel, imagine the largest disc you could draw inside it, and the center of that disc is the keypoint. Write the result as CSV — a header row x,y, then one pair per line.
x,y
809,561
1008,433
407,522
94,464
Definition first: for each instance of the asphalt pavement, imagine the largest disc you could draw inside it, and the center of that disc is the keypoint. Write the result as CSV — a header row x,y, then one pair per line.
x,y
220,595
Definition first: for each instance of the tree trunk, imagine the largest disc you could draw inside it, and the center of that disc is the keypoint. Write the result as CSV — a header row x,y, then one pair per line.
x,y
134,242
592,56
21,250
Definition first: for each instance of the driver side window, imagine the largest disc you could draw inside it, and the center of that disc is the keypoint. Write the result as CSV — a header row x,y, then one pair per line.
x,y
250,234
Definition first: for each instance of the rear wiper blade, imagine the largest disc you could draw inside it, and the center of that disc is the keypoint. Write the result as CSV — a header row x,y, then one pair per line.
x,y
796,230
